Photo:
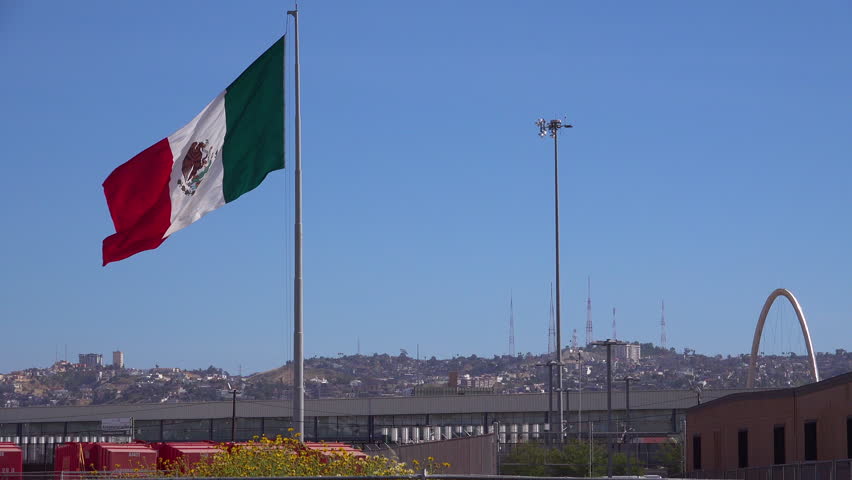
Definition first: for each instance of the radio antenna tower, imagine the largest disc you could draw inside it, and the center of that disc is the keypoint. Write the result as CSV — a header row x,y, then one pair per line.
x,y
614,334
663,339
511,326
589,336
551,329
574,340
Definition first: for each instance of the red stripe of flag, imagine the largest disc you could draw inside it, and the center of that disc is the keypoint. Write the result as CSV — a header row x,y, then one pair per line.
x,y
137,194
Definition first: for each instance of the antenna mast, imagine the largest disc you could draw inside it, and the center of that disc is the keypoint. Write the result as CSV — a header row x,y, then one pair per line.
x,y
511,326
614,334
663,339
589,336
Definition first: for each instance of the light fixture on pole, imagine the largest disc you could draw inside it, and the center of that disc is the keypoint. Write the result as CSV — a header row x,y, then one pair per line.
x,y
609,343
552,128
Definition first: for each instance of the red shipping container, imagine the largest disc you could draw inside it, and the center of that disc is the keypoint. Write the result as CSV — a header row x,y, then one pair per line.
x,y
11,461
124,457
185,454
73,457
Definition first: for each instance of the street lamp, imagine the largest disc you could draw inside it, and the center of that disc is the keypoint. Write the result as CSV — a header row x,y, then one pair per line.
x,y
552,128
609,343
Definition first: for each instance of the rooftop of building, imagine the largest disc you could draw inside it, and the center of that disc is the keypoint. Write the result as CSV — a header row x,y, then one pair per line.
x,y
449,404
765,394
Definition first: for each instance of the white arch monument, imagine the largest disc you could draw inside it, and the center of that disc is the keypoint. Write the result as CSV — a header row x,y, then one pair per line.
x,y
755,344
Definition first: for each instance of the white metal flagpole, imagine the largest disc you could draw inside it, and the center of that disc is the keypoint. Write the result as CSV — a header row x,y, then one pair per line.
x,y
298,356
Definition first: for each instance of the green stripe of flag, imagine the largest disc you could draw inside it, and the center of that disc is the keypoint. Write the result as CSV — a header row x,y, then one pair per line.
x,y
254,115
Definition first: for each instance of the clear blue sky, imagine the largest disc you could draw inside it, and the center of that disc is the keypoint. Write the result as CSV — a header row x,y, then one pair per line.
x,y
709,164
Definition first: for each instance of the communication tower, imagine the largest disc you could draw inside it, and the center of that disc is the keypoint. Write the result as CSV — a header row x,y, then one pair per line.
x,y
511,326
614,334
663,339
589,336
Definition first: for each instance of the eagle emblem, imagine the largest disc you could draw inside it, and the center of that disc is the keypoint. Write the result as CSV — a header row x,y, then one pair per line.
x,y
196,164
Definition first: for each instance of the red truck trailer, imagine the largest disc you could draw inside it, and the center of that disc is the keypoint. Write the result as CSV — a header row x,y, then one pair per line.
x,y
124,457
104,457
73,457
184,455
11,461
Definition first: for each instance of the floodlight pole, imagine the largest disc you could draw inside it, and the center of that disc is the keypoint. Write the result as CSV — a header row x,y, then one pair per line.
x,y
552,128
608,343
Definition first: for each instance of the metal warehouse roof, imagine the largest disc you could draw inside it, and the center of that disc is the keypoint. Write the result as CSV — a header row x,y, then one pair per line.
x,y
458,404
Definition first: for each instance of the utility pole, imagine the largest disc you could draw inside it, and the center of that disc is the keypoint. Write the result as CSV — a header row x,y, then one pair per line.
x,y
549,424
627,426
609,343
551,128
683,449
580,406
566,426
234,393
591,426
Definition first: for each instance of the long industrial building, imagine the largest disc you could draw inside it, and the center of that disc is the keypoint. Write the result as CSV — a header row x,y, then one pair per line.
x,y
517,418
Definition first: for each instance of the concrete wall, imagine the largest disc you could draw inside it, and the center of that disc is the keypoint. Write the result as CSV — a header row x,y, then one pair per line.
x,y
469,455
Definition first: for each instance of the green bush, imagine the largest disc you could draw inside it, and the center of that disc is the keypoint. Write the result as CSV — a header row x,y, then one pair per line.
x,y
569,460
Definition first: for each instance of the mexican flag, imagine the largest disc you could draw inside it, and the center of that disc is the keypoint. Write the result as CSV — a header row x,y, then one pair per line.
x,y
224,152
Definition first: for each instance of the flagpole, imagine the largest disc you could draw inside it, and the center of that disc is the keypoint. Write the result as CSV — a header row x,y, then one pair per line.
x,y
298,355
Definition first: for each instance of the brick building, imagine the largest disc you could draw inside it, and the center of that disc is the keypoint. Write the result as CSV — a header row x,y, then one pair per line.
x,y
810,423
